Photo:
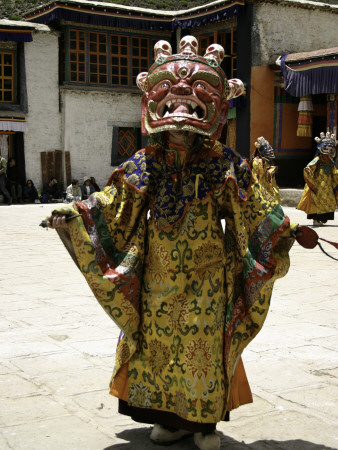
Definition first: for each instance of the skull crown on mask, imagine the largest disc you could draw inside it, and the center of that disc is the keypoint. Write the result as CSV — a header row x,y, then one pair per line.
x,y
186,92
326,144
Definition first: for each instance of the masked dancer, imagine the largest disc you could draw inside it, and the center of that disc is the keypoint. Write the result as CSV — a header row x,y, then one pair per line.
x,y
320,195
187,296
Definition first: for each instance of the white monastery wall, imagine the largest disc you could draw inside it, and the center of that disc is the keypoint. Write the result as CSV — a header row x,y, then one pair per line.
x,y
279,29
88,119
43,117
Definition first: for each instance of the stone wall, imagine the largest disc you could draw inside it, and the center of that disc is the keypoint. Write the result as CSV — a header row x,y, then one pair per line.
x,y
88,119
278,29
43,117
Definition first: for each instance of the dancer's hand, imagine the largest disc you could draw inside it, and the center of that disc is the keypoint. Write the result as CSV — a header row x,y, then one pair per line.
x,y
56,221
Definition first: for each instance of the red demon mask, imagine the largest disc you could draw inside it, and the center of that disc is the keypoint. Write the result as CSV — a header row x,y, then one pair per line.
x,y
186,92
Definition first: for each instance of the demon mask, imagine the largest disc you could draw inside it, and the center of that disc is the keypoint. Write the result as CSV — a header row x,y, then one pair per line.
x,y
264,149
186,92
326,144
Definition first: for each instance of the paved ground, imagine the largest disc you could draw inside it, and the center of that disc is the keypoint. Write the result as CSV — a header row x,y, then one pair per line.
x,y
57,351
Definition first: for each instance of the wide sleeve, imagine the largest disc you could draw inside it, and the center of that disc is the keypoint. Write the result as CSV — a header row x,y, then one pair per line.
x,y
106,241
257,168
310,172
335,182
258,237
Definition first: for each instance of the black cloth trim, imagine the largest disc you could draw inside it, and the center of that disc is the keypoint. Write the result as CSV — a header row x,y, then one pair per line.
x,y
166,419
321,217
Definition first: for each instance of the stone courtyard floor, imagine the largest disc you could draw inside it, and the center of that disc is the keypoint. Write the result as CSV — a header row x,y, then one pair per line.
x,y
57,353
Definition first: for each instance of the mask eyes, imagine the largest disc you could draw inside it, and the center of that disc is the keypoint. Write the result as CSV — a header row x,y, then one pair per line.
x,y
200,85
165,85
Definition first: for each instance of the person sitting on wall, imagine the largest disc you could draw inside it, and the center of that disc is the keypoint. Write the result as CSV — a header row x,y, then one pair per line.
x,y
3,188
87,188
30,193
13,181
73,192
93,183
51,191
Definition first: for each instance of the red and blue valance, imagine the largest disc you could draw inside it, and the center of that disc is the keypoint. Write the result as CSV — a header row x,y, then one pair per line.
x,y
111,15
310,76
15,35
98,16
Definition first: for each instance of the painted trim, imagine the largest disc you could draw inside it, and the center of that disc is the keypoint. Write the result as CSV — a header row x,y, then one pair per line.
x,y
132,18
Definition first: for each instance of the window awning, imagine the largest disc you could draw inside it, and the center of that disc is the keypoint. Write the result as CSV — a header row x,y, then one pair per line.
x,y
15,34
120,16
13,124
310,73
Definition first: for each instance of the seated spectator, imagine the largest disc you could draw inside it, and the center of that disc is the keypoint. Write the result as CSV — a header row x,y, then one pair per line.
x,y
30,193
3,171
93,183
86,188
73,192
51,191
13,181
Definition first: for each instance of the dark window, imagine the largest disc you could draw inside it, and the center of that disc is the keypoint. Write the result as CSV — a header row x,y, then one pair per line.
x,y
203,43
126,141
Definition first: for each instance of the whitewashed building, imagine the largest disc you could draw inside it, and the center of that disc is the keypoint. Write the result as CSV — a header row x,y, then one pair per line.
x,y
30,119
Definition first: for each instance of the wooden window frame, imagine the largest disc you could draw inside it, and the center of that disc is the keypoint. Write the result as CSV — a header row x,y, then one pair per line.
x,y
120,66
12,78
116,69
142,64
101,67
77,52
202,46
221,37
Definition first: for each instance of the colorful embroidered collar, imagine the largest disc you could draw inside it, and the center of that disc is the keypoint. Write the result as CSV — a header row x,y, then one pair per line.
x,y
158,173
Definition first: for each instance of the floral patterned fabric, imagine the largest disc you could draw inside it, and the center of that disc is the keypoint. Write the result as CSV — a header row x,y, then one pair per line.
x,y
265,174
187,295
320,195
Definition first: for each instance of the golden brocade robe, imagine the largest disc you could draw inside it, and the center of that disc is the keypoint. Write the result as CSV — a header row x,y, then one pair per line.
x,y
265,174
320,194
187,295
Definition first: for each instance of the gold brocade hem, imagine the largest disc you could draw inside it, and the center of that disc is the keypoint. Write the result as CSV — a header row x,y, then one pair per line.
x,y
240,393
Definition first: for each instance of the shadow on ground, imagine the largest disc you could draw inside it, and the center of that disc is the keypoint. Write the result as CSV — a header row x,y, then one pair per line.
x,y
138,439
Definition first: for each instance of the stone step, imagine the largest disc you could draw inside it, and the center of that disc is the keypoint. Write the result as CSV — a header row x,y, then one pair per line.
x,y
290,197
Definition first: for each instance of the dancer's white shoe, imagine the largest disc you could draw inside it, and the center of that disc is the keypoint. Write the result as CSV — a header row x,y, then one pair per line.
x,y
161,435
317,223
207,441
